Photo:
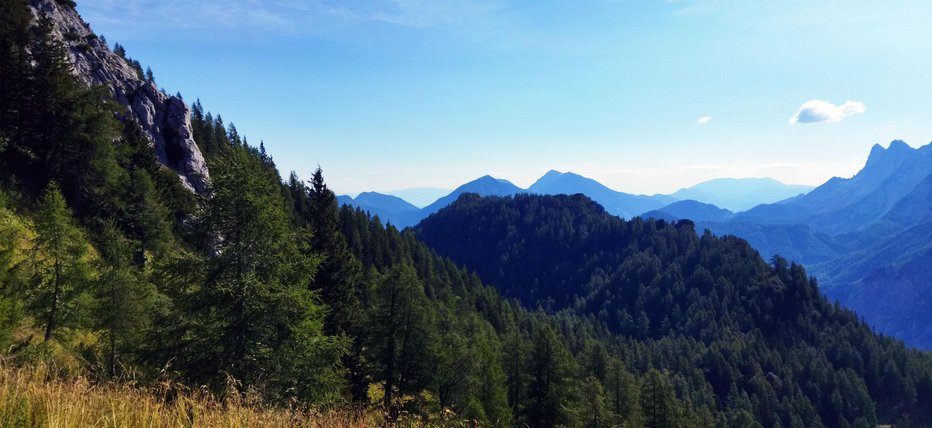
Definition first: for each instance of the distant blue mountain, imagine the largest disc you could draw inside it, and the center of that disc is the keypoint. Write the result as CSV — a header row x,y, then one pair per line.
x,y
483,186
739,194
419,196
401,214
386,207
615,202
847,205
867,239
692,210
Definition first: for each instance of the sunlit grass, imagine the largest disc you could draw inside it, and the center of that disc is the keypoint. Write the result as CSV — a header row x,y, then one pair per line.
x,y
35,397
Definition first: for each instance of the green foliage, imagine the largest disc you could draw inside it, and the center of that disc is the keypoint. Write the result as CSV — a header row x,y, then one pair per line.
x,y
722,322
248,312
270,287
59,268
401,339
124,300
658,402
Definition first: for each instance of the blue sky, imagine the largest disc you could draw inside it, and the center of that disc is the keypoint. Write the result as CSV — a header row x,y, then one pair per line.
x,y
644,96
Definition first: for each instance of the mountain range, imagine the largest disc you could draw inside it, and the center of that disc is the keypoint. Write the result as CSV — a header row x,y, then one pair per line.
x,y
867,238
737,191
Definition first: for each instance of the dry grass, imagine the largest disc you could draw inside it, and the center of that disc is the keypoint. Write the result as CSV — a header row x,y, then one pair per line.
x,y
34,397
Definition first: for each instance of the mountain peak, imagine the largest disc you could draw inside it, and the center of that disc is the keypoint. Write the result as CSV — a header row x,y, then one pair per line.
x,y
896,150
898,145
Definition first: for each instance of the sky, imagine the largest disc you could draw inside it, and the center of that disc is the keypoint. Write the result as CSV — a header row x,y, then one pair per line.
x,y
643,96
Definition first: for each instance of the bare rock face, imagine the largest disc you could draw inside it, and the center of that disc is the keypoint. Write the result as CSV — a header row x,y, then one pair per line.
x,y
165,119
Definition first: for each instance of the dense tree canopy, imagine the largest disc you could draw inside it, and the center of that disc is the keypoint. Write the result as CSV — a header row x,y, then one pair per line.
x,y
110,268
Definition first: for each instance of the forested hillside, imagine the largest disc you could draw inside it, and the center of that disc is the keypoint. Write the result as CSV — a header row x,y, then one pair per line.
x,y
264,292
744,325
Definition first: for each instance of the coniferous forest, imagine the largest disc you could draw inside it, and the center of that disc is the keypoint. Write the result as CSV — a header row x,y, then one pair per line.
x,y
527,311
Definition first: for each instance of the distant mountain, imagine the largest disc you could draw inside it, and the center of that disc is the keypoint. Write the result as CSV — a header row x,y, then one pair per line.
x,y
419,196
692,210
866,238
847,205
615,202
387,207
483,186
402,214
739,194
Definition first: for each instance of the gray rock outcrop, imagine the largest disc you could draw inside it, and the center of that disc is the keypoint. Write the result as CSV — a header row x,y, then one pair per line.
x,y
165,119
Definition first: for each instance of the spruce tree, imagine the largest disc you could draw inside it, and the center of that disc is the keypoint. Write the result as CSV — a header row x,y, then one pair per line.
x,y
247,304
338,278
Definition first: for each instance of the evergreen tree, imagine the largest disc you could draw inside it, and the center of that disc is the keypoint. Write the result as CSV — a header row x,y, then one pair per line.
x,y
60,267
124,297
337,279
250,311
549,381
400,336
10,298
658,402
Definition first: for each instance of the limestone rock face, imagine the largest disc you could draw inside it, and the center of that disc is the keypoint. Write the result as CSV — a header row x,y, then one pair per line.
x,y
165,119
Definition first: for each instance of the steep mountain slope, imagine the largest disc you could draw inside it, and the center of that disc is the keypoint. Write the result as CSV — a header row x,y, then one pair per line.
x,y
166,120
739,194
659,281
618,203
847,205
692,210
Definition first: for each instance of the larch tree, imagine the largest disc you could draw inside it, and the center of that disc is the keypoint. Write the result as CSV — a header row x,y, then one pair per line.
x,y
60,267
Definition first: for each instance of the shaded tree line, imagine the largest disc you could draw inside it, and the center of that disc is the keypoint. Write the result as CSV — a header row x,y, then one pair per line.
x,y
108,267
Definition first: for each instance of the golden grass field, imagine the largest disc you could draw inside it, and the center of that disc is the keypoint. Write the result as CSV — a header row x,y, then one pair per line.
x,y
34,397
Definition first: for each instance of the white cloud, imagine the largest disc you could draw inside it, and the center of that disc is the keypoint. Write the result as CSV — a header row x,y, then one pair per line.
x,y
704,120
815,111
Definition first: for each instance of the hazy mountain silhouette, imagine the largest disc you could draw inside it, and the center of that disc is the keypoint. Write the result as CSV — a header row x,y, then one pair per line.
x,y
615,202
692,210
739,194
386,207
419,196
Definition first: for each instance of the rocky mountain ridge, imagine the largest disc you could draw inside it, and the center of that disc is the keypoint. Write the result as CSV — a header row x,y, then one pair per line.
x,y
166,120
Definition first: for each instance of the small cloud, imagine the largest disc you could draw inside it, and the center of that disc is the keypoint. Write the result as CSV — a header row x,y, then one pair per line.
x,y
704,120
816,111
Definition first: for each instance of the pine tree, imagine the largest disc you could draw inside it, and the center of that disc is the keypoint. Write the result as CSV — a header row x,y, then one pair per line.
x,y
61,271
338,277
149,218
124,297
658,402
251,311
549,381
400,335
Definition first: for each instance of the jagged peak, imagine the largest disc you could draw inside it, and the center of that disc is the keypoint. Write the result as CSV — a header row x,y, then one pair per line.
x,y
899,145
895,150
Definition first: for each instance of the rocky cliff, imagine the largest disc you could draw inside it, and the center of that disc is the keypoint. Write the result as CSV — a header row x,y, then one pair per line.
x,y
165,119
